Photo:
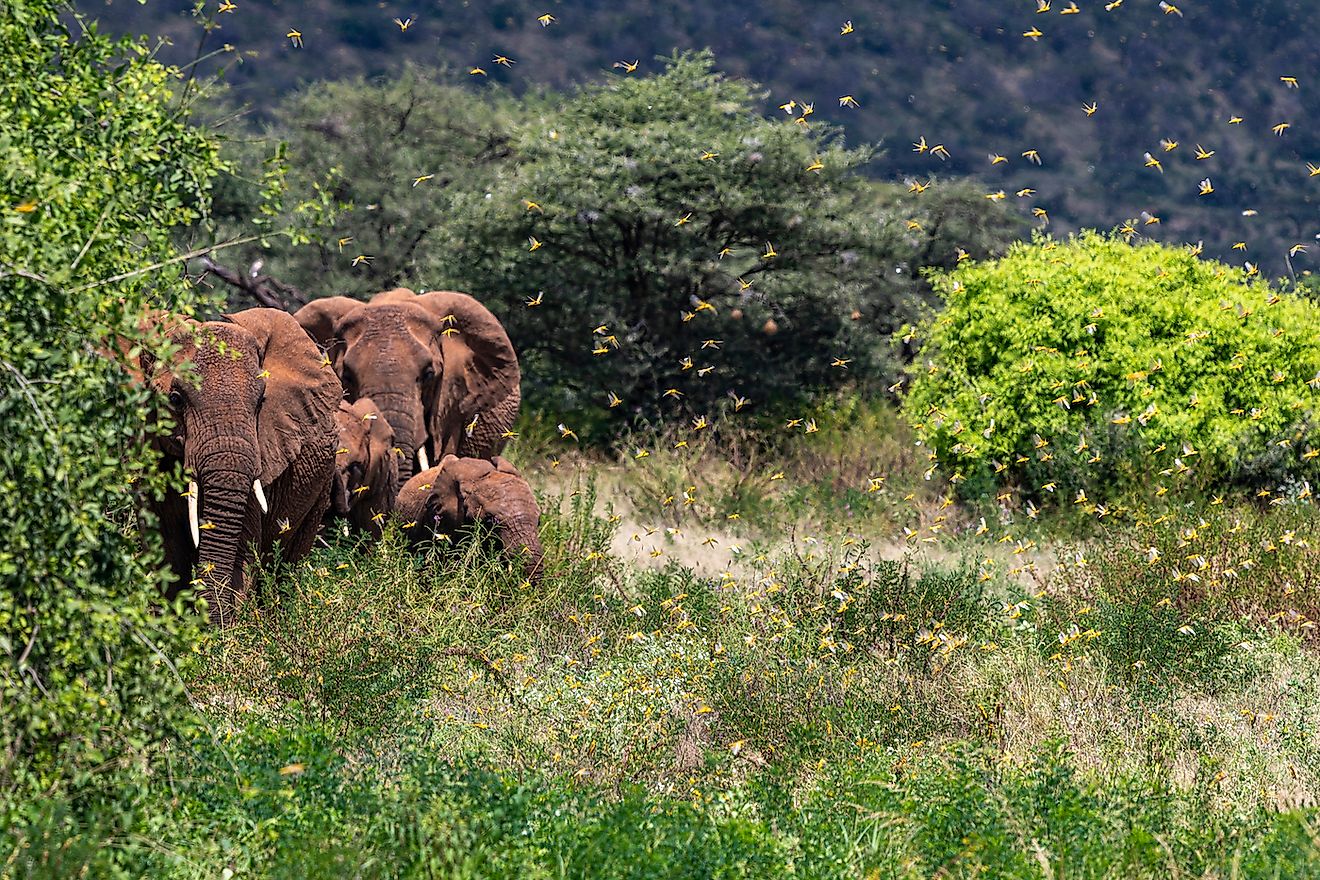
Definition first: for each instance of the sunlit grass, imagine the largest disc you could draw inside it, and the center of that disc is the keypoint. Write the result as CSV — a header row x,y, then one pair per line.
x,y
892,691
1114,702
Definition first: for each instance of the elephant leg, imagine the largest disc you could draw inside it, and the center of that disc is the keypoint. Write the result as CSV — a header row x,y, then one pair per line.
x,y
176,542
488,436
299,502
300,542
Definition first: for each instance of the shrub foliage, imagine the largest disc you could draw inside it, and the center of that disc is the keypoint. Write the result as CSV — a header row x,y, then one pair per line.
x,y
659,219
97,164
1092,363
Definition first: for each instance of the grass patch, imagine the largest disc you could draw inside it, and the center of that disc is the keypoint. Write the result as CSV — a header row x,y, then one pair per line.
x,y
809,708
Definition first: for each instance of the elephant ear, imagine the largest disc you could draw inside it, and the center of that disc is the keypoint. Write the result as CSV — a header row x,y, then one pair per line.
x,y
302,391
318,317
154,328
480,365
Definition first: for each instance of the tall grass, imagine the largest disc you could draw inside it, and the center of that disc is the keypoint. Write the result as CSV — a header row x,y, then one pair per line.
x,y
810,709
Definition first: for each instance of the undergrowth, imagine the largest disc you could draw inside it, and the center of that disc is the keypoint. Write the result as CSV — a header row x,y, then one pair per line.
x,y
810,710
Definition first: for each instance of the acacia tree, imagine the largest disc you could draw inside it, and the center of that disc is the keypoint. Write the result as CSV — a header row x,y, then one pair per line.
x,y
98,165
661,242
389,155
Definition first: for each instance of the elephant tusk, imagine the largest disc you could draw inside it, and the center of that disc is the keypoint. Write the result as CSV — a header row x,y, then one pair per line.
x,y
193,493
421,459
261,496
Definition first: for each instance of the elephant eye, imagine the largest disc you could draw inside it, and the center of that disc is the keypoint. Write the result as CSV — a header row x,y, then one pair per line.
x,y
176,398
428,373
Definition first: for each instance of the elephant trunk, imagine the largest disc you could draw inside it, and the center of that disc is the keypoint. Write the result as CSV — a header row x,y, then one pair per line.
x,y
520,537
403,413
225,482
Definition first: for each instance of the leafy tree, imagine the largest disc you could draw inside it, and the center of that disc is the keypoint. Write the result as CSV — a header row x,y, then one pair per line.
x,y
661,243
1094,364
97,165
388,154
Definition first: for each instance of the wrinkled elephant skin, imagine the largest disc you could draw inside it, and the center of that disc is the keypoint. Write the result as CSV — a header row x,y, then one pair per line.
x,y
462,491
438,366
253,416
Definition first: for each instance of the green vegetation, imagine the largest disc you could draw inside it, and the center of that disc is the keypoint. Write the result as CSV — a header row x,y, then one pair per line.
x,y
1093,365
388,157
810,708
792,638
97,165
670,212
647,207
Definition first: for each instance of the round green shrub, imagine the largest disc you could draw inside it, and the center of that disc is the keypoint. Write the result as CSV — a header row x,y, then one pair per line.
x,y
1094,365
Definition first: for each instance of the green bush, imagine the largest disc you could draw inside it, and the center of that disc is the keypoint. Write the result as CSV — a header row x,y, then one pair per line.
x,y
1091,364
97,166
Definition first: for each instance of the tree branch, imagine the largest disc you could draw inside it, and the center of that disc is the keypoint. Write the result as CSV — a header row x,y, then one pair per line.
x,y
181,258
267,291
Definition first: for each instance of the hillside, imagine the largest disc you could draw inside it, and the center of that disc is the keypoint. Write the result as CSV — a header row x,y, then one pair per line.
x,y
958,74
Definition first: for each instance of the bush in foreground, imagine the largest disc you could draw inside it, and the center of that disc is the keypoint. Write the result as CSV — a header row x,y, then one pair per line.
x,y
97,165
286,804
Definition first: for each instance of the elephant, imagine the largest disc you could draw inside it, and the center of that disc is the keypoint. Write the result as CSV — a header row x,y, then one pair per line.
x,y
438,365
253,427
366,467
461,491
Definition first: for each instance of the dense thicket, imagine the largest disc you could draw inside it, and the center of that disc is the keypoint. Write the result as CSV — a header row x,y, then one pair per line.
x,y
961,74
97,164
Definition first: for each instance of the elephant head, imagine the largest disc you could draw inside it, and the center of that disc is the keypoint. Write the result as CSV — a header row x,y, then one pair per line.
x,y
462,491
439,366
366,466
253,428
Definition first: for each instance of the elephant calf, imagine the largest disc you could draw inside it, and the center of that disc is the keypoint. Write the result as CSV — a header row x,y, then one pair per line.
x,y
461,491
366,467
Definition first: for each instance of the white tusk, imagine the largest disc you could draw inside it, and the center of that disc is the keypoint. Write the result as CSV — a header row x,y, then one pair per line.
x,y
193,493
261,496
421,459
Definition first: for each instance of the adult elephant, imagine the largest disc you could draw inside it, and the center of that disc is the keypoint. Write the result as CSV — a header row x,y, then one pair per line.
x,y
462,491
438,365
254,429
